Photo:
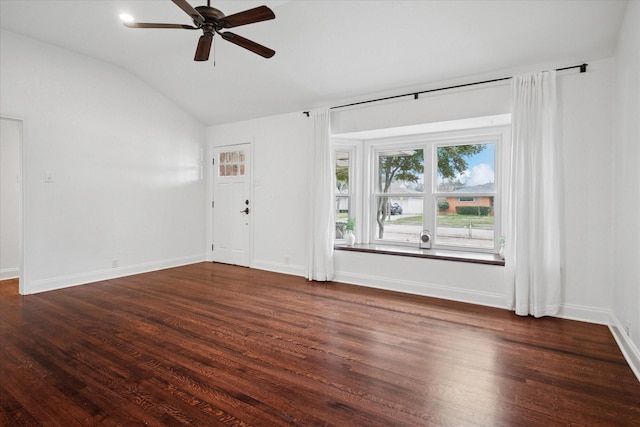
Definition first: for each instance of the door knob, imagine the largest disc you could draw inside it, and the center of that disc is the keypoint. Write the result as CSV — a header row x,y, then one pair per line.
x,y
245,211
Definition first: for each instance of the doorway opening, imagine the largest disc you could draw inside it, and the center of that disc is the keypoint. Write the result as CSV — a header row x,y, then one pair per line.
x,y
11,196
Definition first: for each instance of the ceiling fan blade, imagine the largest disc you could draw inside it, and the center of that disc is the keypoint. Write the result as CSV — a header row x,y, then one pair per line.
x,y
149,25
189,10
257,14
248,44
204,47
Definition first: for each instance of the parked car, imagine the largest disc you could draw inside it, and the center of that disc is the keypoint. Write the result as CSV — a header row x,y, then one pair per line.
x,y
395,209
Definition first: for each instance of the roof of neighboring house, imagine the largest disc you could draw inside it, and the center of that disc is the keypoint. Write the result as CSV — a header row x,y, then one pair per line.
x,y
401,187
489,187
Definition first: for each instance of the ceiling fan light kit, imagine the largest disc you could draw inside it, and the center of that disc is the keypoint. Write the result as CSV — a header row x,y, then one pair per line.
x,y
211,21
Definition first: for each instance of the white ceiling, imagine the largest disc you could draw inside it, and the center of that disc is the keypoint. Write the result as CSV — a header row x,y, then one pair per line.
x,y
327,52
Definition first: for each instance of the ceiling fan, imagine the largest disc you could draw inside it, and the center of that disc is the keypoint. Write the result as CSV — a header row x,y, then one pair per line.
x,y
211,21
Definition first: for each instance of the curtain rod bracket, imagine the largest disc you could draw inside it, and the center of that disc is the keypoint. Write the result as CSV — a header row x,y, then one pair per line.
x,y
306,113
583,68
416,95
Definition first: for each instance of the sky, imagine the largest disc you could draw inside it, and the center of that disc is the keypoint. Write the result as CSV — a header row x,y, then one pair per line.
x,y
481,167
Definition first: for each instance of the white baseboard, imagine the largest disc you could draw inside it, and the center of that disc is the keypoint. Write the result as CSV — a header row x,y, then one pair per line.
x,y
61,282
567,311
424,289
581,313
294,270
627,347
9,273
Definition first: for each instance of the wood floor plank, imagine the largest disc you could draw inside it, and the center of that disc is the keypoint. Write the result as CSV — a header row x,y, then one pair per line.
x,y
212,344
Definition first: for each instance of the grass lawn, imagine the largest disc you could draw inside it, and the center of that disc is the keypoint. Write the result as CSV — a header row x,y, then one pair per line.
x,y
464,220
455,220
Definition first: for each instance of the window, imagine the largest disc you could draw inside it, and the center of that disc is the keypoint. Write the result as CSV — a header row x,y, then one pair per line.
x,y
231,163
399,193
444,182
466,220
343,180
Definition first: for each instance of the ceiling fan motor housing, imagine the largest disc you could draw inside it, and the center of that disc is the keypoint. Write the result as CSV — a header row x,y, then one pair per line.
x,y
211,15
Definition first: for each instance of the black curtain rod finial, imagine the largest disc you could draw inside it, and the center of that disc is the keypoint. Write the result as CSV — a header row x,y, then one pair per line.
x,y
583,68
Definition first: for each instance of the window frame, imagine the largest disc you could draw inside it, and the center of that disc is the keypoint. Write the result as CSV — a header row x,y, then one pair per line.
x,y
365,169
350,147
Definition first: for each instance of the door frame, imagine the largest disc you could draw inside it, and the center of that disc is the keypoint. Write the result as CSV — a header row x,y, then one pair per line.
x,y
210,195
22,283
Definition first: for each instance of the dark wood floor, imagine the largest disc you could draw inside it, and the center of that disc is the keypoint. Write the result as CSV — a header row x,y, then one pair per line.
x,y
211,344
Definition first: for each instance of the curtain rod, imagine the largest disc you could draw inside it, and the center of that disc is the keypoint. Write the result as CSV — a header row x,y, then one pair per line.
x,y
416,95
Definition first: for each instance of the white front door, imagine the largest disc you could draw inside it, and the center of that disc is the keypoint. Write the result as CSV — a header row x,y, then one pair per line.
x,y
232,210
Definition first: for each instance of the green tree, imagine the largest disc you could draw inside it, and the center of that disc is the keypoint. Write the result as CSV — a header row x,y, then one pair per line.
x,y
342,178
342,171
452,159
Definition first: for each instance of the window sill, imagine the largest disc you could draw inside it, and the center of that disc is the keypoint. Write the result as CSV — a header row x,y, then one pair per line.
x,y
441,254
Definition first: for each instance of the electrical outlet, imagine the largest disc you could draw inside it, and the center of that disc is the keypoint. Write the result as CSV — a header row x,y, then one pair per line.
x,y
627,328
114,263
286,259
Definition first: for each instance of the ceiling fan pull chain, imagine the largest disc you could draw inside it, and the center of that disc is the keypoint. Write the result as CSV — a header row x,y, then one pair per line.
x,y
214,51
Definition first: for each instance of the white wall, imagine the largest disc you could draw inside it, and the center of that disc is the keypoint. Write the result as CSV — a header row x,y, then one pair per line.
x,y
10,140
587,125
441,106
126,167
626,189
585,102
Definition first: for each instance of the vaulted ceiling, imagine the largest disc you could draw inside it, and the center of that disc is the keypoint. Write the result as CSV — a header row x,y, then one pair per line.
x,y
327,52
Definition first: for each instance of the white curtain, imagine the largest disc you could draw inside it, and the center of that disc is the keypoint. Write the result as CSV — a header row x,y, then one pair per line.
x,y
534,215
320,219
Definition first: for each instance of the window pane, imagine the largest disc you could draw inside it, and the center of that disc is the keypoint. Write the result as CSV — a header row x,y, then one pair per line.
x,y
241,160
342,215
466,168
400,171
232,163
465,223
398,219
399,216
342,172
